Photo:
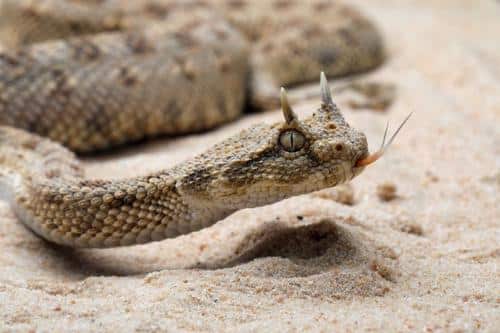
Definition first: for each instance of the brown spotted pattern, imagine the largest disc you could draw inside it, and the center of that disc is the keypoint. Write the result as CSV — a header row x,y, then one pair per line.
x,y
92,75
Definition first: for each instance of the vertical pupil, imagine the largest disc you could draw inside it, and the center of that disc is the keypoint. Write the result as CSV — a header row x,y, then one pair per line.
x,y
291,140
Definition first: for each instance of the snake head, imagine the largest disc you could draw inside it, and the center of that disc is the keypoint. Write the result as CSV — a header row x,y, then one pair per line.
x,y
330,136
267,163
323,148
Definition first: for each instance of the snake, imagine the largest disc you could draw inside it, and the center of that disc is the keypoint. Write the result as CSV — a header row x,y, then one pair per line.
x,y
79,76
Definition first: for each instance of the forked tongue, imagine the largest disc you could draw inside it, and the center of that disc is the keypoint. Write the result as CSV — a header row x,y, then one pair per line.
x,y
383,148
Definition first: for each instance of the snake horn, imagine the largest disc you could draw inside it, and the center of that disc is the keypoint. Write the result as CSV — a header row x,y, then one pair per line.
x,y
288,112
327,103
326,94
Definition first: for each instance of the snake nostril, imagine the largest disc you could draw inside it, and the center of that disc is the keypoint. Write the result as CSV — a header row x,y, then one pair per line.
x,y
339,147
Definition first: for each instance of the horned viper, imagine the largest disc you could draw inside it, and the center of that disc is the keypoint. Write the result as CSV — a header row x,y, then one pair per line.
x,y
137,69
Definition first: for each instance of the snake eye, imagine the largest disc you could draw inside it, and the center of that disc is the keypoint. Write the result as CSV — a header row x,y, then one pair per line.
x,y
292,140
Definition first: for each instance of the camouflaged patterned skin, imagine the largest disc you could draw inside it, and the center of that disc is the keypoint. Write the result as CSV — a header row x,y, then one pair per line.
x,y
151,69
45,184
148,68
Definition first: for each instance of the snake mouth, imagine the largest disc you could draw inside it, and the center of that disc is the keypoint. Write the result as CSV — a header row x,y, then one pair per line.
x,y
372,158
369,159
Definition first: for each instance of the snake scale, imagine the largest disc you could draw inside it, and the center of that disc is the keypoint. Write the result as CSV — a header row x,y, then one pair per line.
x,y
89,75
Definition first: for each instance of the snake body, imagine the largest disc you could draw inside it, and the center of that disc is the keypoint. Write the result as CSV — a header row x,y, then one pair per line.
x,y
95,74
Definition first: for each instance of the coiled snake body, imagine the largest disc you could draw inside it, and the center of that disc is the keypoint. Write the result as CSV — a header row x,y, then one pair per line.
x,y
145,68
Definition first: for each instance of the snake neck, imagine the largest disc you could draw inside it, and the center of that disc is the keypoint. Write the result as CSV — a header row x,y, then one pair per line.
x,y
46,188
113,213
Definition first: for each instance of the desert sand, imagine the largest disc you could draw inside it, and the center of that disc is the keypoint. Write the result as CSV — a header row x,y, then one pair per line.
x,y
422,258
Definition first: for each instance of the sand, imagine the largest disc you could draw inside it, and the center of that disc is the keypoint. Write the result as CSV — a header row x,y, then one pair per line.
x,y
413,244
